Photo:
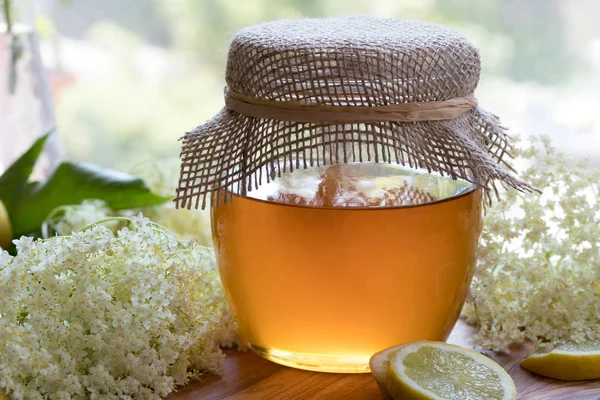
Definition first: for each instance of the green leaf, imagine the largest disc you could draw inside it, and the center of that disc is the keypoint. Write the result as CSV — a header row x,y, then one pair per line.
x,y
72,183
14,182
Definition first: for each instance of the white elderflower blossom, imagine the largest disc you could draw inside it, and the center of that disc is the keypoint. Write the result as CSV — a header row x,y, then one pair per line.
x,y
162,178
98,315
539,260
67,219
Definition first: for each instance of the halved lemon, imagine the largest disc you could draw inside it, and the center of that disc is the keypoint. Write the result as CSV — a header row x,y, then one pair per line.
x,y
5,229
379,364
567,362
441,371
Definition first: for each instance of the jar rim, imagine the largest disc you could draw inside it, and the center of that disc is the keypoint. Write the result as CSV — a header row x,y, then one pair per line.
x,y
469,191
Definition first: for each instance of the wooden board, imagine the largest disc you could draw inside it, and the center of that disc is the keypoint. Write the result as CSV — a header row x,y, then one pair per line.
x,y
249,377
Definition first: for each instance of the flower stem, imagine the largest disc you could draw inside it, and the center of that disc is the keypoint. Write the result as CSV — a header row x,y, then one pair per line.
x,y
7,15
104,221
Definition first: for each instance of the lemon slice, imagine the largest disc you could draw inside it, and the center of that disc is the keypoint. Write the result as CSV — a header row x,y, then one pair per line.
x,y
440,371
5,230
379,364
567,362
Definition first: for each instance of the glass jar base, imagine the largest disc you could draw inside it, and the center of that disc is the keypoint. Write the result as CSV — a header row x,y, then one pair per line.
x,y
315,362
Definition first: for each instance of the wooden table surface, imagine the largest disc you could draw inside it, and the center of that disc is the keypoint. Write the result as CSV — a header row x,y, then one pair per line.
x,y
247,376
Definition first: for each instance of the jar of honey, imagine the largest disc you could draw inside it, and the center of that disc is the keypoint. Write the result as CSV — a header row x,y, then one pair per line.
x,y
346,175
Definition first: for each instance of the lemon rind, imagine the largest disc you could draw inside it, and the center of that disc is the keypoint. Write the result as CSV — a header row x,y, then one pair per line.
x,y
568,353
564,365
6,232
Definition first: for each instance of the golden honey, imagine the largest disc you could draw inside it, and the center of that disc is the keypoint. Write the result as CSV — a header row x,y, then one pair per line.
x,y
338,265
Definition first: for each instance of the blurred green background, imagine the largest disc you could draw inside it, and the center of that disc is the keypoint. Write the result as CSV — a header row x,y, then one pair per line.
x,y
129,77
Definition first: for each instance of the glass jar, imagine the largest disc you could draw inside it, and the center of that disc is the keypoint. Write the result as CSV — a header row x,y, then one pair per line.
x,y
26,110
346,174
328,265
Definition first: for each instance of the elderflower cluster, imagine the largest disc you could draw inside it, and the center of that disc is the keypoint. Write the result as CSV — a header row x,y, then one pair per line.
x,y
538,276
103,315
162,178
67,219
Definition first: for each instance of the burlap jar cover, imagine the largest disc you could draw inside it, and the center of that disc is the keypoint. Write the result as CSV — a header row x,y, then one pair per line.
x,y
356,89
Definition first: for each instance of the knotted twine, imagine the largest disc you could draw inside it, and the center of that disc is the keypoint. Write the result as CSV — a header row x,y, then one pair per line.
x,y
357,89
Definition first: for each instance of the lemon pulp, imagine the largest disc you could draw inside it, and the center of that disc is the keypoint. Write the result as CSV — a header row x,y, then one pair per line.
x,y
436,371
